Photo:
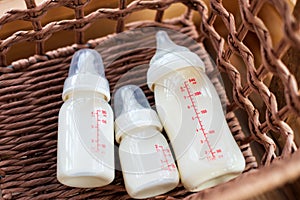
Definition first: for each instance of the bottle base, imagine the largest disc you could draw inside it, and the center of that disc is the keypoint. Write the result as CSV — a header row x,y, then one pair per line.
x,y
153,189
214,181
85,181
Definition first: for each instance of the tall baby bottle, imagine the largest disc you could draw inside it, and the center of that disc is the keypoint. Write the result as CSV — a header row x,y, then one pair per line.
x,y
192,115
85,153
146,160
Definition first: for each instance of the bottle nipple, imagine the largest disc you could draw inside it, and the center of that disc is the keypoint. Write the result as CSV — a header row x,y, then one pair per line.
x,y
132,111
165,45
87,61
170,57
87,74
129,98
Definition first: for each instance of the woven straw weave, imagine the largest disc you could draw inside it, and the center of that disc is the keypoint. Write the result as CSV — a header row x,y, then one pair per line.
x,y
30,91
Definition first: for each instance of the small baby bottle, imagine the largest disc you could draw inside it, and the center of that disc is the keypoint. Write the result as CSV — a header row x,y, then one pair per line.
x,y
189,106
146,160
85,152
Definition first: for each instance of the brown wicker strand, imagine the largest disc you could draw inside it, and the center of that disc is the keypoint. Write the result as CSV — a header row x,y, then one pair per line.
x,y
120,21
37,26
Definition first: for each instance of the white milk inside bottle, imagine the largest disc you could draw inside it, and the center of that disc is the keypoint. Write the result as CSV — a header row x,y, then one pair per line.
x,y
192,115
147,163
85,153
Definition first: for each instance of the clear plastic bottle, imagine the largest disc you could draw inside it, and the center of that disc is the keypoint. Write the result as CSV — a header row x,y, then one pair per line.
x,y
85,153
189,106
147,163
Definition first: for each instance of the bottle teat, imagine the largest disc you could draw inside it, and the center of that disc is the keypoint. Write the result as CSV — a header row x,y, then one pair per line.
x,y
87,61
86,73
132,110
129,98
165,45
170,57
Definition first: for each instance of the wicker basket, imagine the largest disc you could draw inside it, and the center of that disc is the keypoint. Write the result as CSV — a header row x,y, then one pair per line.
x,y
263,102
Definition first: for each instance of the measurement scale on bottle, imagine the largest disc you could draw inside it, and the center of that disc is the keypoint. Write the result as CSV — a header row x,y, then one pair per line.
x,y
198,115
166,158
99,117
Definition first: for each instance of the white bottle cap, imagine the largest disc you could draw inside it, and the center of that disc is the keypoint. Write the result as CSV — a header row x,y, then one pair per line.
x,y
86,73
169,57
132,110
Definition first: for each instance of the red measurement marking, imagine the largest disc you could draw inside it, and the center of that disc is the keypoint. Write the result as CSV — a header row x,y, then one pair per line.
x,y
97,134
218,150
104,113
203,111
182,89
171,166
211,131
166,153
193,81
100,118
197,93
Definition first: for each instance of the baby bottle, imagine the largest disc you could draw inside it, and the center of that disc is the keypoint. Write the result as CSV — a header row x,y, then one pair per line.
x,y
146,160
85,152
190,109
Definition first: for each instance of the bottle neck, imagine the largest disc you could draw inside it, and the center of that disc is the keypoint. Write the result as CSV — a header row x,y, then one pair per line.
x,y
84,94
141,133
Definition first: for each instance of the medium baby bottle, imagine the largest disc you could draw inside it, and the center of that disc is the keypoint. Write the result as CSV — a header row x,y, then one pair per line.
x,y
85,152
146,160
190,109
